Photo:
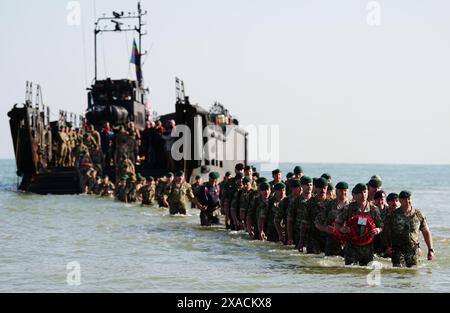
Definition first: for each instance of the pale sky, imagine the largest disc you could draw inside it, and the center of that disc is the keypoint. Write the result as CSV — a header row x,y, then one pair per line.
x,y
340,90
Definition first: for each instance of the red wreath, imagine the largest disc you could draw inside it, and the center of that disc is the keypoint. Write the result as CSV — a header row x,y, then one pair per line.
x,y
353,237
364,239
339,237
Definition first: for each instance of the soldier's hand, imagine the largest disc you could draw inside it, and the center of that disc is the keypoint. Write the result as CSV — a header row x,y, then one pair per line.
x,y
430,255
166,204
375,231
330,229
262,236
345,229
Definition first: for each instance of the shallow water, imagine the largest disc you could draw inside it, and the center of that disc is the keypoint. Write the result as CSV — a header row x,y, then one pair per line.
x,y
129,248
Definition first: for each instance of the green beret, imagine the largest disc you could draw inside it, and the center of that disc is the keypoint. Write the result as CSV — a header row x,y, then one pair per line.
x,y
246,180
379,194
279,186
289,175
124,177
139,175
261,180
276,172
264,186
404,194
298,170
326,176
392,197
214,175
170,174
197,177
227,174
305,180
179,174
150,178
321,183
342,185
330,186
375,183
295,183
359,188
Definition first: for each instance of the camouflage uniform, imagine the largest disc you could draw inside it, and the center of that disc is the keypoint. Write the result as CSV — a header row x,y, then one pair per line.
x,y
121,192
241,202
327,218
354,254
267,211
177,196
281,216
403,232
148,194
316,240
131,191
106,189
160,188
230,189
295,215
253,213
62,148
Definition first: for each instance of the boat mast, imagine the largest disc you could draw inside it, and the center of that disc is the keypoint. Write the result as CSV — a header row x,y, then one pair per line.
x,y
118,28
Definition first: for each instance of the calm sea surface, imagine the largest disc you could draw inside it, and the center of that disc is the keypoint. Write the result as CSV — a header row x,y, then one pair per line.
x,y
129,248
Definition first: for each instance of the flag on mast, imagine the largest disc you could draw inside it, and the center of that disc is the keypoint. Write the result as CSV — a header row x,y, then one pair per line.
x,y
136,60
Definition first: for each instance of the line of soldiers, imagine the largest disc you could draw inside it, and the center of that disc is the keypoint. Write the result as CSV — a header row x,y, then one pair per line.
x,y
310,213
318,217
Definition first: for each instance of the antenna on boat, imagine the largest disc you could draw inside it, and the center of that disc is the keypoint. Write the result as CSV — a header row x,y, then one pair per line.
x,y
118,28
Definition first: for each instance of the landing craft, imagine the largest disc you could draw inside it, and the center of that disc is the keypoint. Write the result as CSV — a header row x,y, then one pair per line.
x,y
119,102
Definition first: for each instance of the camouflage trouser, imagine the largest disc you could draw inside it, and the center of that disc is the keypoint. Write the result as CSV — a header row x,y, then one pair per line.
x,y
209,216
272,234
315,244
177,208
361,255
332,247
405,255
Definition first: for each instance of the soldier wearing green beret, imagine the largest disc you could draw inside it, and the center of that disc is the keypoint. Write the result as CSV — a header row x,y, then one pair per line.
x,y
298,172
353,253
177,194
147,194
208,200
276,178
241,202
282,212
402,230
198,183
330,192
374,185
161,187
296,209
253,210
107,187
327,177
325,221
229,189
309,234
268,211
120,191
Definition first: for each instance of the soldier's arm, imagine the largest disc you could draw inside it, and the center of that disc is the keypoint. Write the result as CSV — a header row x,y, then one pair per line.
x,y
340,220
426,236
262,221
320,222
290,223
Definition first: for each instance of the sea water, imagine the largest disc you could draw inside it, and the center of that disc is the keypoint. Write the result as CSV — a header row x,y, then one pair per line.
x,y
81,243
